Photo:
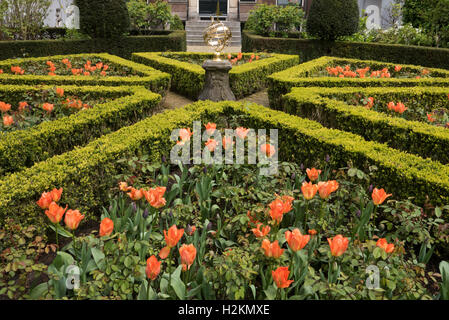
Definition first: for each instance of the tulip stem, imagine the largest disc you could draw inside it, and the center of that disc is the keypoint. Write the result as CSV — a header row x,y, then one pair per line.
x,y
148,289
56,230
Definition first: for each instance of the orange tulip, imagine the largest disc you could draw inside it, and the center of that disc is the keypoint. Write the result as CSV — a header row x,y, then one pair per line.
x,y
280,277
272,250
45,200
296,241
391,105
7,120
135,194
227,142
73,218
185,134
188,254
309,190
260,233
326,188
153,267
379,196
106,227
55,212
397,68
124,186
268,149
400,108
56,194
192,230
211,144
277,210
313,173
210,128
60,91
312,232
430,118
22,105
287,200
1,71
241,132
4,107
338,245
48,107
155,196
387,247
239,56
172,237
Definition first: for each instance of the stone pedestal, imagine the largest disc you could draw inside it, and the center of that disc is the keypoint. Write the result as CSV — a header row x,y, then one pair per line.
x,y
216,82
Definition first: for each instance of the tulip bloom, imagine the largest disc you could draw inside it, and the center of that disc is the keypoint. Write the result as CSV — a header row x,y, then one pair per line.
x,y
56,194
313,173
309,190
326,188
211,144
55,212
387,247
379,196
124,186
227,142
72,219
296,241
277,210
135,194
268,149
188,254
397,68
391,105
8,120
430,117
210,128
45,200
153,267
48,107
260,233
106,227
280,277
22,105
190,230
155,196
312,232
338,245
4,107
60,91
272,250
241,132
172,237
185,134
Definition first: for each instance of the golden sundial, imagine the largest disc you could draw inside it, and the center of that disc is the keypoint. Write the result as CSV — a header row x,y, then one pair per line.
x,y
218,36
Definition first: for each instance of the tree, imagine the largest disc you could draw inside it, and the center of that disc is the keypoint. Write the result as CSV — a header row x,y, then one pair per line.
x,y
330,19
103,18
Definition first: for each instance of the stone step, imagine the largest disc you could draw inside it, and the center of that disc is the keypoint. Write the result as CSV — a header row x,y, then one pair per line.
x,y
235,36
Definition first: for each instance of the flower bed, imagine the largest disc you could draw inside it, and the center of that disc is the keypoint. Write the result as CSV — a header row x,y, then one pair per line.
x,y
227,232
315,73
82,69
90,170
39,134
373,113
188,75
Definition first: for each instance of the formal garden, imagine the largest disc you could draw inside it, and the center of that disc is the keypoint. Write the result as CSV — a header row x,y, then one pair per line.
x,y
338,190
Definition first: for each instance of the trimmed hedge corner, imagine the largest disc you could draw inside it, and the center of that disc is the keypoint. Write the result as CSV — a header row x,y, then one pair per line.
x,y
309,49
23,148
188,78
299,76
90,170
152,79
173,41
416,137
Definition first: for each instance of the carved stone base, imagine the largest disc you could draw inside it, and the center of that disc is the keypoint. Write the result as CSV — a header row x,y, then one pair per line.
x,y
216,82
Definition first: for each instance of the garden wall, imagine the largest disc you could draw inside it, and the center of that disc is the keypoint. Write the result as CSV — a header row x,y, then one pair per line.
x,y
175,41
309,49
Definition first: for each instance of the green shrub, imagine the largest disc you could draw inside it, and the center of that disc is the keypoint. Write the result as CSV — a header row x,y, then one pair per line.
x,y
188,78
415,137
176,24
103,18
90,170
152,79
23,148
153,15
272,19
330,19
299,76
309,49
